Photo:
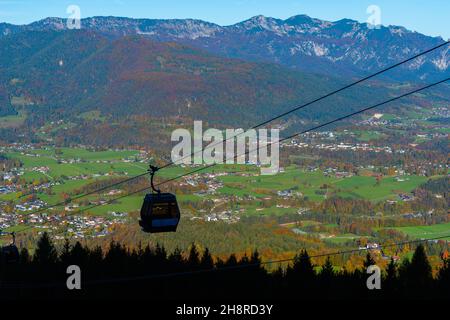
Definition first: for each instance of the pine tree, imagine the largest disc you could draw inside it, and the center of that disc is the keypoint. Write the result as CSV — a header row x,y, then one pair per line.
x,y
391,271
79,255
65,254
369,261
327,271
305,264
232,261
255,259
24,256
419,272
176,260
193,259
302,273
206,261
45,253
391,280
444,279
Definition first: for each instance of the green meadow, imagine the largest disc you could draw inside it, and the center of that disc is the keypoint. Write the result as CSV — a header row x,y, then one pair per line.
x,y
367,136
311,185
13,120
424,232
366,188
245,182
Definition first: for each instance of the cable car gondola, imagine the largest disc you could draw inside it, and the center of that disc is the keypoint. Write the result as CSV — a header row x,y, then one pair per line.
x,y
160,211
9,253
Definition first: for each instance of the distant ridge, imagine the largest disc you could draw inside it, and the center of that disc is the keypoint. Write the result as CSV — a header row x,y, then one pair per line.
x,y
344,47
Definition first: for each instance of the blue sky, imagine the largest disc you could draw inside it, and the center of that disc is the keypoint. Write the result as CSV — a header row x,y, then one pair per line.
x,y
429,17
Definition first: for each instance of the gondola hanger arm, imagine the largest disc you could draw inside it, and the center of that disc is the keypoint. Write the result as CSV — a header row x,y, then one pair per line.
x,y
153,169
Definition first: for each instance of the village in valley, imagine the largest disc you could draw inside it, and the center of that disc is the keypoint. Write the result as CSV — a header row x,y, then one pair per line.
x,y
35,177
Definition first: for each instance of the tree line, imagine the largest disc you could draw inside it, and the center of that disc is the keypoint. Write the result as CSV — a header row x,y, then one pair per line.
x,y
152,273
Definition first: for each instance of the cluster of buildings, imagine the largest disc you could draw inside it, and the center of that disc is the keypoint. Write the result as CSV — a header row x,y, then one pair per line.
x,y
406,197
17,147
365,147
289,193
78,226
418,215
30,206
88,226
12,174
8,220
225,216
206,179
95,175
375,120
336,173
23,213
7,189
42,169
440,112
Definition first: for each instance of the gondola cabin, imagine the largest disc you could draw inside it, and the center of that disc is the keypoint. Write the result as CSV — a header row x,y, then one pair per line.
x,y
160,213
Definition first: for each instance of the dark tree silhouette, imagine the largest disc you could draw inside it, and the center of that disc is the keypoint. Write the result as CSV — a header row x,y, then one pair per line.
x,y
419,275
369,261
131,274
327,271
444,277
45,254
207,260
194,257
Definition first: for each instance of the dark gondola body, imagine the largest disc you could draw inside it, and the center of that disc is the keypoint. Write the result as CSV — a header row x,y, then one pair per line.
x,y
160,213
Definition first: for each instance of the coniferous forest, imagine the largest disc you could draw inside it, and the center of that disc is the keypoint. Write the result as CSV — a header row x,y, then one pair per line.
x,y
194,275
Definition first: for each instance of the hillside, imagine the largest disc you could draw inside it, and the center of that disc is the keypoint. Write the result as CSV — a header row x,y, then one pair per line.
x,y
79,71
346,46
130,82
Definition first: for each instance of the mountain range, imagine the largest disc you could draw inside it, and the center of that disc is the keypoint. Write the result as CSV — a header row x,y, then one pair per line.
x,y
79,71
131,73
345,47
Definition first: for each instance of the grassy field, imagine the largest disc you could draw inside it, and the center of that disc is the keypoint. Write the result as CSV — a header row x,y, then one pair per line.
x,y
342,238
365,187
310,184
366,136
92,162
92,115
261,186
99,162
12,121
424,232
